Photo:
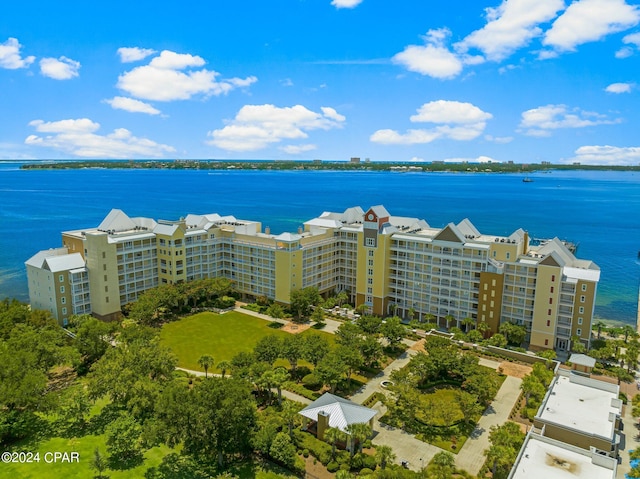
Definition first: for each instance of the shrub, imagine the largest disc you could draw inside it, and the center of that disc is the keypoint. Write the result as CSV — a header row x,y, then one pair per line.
x,y
333,466
318,449
299,389
343,457
305,452
252,307
365,471
312,382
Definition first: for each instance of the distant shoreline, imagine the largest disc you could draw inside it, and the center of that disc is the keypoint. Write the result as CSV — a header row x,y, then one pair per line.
x,y
310,165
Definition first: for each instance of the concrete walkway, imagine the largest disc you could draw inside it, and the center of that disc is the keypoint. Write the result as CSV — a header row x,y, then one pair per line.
x,y
405,446
331,325
471,456
374,384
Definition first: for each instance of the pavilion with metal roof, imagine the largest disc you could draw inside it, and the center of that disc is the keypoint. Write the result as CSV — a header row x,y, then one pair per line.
x,y
330,410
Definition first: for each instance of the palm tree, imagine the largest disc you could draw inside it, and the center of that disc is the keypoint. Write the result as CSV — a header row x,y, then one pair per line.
x,y
359,432
342,297
599,325
628,331
411,312
384,455
467,322
290,413
224,366
483,328
332,435
444,464
448,318
279,377
205,361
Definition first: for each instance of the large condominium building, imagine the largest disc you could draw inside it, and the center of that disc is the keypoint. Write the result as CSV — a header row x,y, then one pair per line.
x,y
387,263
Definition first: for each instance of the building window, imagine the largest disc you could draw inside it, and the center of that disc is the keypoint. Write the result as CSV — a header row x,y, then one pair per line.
x,y
508,255
370,290
584,287
551,289
370,242
546,342
579,332
494,253
64,310
553,277
105,277
106,299
369,280
580,320
582,299
106,289
61,278
104,255
371,263
62,289
548,312
550,300
370,272
370,253
63,300
581,310
548,322
104,266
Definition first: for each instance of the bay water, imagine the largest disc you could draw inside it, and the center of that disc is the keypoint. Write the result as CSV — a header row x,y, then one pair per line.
x,y
600,211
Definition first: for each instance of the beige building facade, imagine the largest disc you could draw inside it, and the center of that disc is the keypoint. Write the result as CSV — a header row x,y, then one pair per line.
x,y
389,264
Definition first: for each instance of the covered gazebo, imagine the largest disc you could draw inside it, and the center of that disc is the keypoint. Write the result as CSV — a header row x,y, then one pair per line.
x,y
333,411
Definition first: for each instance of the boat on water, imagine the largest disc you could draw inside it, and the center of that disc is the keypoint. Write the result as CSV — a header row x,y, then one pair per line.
x,y
527,180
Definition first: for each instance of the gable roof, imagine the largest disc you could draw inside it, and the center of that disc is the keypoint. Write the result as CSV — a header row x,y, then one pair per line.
x,y
582,360
341,411
380,211
450,233
116,220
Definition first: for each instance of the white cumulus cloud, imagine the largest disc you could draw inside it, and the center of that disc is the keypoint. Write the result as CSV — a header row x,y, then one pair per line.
x,y
510,26
455,121
588,21
540,121
10,57
78,137
175,76
134,54
346,3
297,149
258,126
62,68
433,58
131,105
631,39
619,88
607,155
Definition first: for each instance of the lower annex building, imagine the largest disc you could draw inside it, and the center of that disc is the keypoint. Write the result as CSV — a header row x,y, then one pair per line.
x,y
391,264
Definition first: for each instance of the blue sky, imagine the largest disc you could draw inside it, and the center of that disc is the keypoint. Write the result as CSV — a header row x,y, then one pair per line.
x,y
517,80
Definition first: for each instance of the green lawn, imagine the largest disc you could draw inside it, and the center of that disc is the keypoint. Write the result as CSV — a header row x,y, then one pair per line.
x,y
220,335
81,469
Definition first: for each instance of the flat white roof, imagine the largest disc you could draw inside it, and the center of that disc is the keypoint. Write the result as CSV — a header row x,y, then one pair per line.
x,y
584,274
579,406
545,458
